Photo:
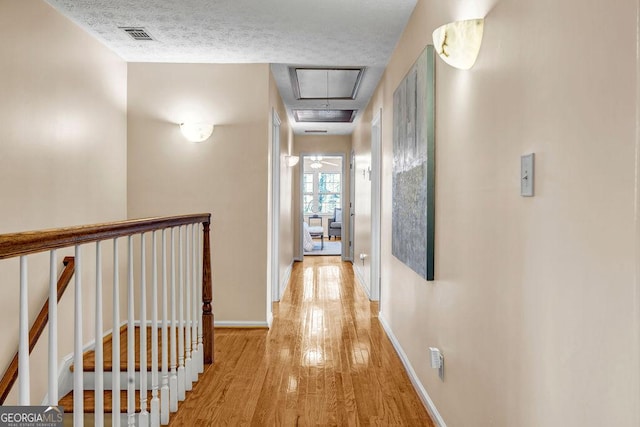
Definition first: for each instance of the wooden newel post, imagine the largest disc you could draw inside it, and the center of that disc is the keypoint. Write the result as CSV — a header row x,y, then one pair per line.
x,y
207,291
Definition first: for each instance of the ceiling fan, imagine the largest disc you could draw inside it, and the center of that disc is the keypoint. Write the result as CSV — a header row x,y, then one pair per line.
x,y
317,162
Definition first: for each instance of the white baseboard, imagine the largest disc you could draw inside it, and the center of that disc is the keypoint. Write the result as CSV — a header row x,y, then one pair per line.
x,y
285,280
361,280
240,324
269,320
417,384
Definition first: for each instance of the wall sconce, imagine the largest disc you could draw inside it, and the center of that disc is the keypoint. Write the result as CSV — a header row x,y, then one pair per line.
x,y
291,160
196,131
458,43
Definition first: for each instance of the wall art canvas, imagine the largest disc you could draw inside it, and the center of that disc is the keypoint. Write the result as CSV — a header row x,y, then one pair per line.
x,y
413,222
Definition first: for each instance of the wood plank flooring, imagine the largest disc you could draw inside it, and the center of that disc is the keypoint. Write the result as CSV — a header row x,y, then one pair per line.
x,y
325,362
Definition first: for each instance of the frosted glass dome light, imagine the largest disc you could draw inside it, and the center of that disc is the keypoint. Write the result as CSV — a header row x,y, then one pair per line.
x,y
458,43
196,131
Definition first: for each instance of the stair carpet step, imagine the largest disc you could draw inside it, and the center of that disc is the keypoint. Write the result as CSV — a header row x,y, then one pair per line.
x,y
89,374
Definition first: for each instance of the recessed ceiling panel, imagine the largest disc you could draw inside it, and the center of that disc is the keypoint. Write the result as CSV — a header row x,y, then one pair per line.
x,y
326,83
324,116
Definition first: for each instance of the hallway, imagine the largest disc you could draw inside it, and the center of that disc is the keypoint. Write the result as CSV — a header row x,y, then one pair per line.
x,y
326,362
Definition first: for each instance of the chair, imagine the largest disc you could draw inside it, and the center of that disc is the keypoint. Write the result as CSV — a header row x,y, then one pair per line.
x,y
317,230
335,224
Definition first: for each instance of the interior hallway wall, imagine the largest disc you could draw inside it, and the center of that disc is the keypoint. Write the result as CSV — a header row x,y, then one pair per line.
x,y
63,101
535,302
285,257
226,175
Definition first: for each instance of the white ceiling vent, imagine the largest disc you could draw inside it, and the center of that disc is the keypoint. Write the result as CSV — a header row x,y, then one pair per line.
x,y
137,33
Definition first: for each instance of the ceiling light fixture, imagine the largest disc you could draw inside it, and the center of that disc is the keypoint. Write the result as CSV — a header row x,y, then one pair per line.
x,y
458,43
196,131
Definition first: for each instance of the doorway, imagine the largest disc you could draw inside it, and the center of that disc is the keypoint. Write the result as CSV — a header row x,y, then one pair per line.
x,y
322,200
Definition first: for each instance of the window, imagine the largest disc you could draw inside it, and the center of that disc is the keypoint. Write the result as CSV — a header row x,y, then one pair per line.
x,y
328,192
307,189
321,192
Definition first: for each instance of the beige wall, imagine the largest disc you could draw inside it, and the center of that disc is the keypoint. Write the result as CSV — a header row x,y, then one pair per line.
x,y
535,303
62,155
225,175
285,257
318,144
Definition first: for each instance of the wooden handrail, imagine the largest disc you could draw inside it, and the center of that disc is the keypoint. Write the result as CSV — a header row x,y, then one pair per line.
x,y
11,374
18,244
26,243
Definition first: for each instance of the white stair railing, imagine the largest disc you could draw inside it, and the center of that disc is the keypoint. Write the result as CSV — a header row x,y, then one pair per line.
x,y
115,337
24,393
188,384
179,345
173,379
181,374
144,414
99,369
155,402
78,362
195,356
164,392
53,330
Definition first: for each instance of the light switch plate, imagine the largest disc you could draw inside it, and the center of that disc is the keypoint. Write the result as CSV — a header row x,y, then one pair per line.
x,y
526,175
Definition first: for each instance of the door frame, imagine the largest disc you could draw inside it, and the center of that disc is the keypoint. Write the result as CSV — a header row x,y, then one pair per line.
x,y
352,204
376,196
343,251
275,212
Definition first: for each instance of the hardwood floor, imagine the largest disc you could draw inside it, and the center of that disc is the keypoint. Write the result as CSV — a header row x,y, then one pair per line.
x,y
325,362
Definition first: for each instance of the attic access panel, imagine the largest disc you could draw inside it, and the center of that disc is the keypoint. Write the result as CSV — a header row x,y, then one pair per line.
x,y
324,116
326,83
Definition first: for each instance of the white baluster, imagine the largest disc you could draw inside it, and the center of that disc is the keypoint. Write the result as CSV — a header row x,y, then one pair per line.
x,y
188,385
99,368
195,356
23,347
53,329
164,392
131,341
78,371
173,380
181,387
115,339
199,302
143,418
155,402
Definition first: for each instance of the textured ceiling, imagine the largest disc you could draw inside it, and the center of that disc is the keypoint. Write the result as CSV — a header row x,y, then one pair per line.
x,y
301,32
